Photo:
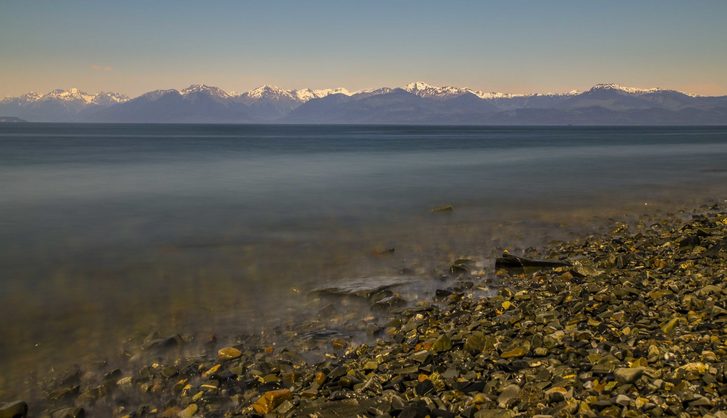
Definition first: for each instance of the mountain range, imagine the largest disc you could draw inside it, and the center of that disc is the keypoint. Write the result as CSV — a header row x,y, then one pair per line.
x,y
415,103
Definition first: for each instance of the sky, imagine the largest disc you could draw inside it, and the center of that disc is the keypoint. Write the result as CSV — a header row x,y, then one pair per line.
x,y
508,46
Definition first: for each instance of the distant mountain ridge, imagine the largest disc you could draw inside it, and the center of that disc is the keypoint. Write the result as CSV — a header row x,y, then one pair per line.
x,y
414,103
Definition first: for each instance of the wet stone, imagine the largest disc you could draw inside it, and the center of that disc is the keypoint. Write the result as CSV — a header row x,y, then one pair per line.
x,y
629,374
475,342
470,386
494,413
160,345
68,413
15,409
509,396
228,353
443,343
623,400
557,394
416,409
424,388
189,411
270,400
516,349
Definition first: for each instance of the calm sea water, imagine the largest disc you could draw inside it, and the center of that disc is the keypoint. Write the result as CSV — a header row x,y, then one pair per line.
x,y
112,231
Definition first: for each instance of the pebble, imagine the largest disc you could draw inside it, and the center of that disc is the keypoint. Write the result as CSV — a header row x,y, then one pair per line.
x,y
270,400
557,394
188,412
623,400
228,353
628,374
508,396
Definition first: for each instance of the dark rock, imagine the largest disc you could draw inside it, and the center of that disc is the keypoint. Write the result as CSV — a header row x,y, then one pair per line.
x,y
510,262
68,413
416,409
441,413
64,393
160,345
15,409
628,374
469,387
424,388
389,302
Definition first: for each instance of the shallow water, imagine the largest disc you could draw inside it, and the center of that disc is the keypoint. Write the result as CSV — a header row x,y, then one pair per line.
x,y
115,231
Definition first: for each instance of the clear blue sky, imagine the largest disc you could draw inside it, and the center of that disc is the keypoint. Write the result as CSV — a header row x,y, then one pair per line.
x,y
511,46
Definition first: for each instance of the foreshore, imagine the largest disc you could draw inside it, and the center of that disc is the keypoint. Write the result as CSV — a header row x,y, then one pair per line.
x,y
633,323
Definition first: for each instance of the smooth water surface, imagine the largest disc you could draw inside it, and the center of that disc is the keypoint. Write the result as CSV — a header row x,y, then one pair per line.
x,y
112,231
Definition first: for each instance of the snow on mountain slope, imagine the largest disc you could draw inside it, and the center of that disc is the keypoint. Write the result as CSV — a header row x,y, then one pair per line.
x,y
308,94
267,92
30,97
416,102
109,98
275,93
205,89
72,95
629,90
423,89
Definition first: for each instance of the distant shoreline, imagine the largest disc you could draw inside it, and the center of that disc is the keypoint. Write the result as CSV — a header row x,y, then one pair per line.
x,y
394,125
11,119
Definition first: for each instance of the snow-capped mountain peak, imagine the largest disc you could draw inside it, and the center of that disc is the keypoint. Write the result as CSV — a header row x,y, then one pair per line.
x,y
70,95
419,86
423,89
299,95
268,92
30,97
308,94
304,95
202,88
434,104
493,94
109,98
625,89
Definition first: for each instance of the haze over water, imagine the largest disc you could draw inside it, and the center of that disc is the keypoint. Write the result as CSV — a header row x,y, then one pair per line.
x,y
114,231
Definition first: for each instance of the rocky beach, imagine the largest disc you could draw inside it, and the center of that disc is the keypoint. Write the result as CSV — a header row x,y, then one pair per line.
x,y
327,209
630,322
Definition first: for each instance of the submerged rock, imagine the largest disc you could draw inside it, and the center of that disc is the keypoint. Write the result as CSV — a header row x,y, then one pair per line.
x,y
160,345
365,287
443,209
228,353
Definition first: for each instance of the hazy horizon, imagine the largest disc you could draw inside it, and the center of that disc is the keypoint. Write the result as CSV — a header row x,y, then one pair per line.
x,y
512,47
